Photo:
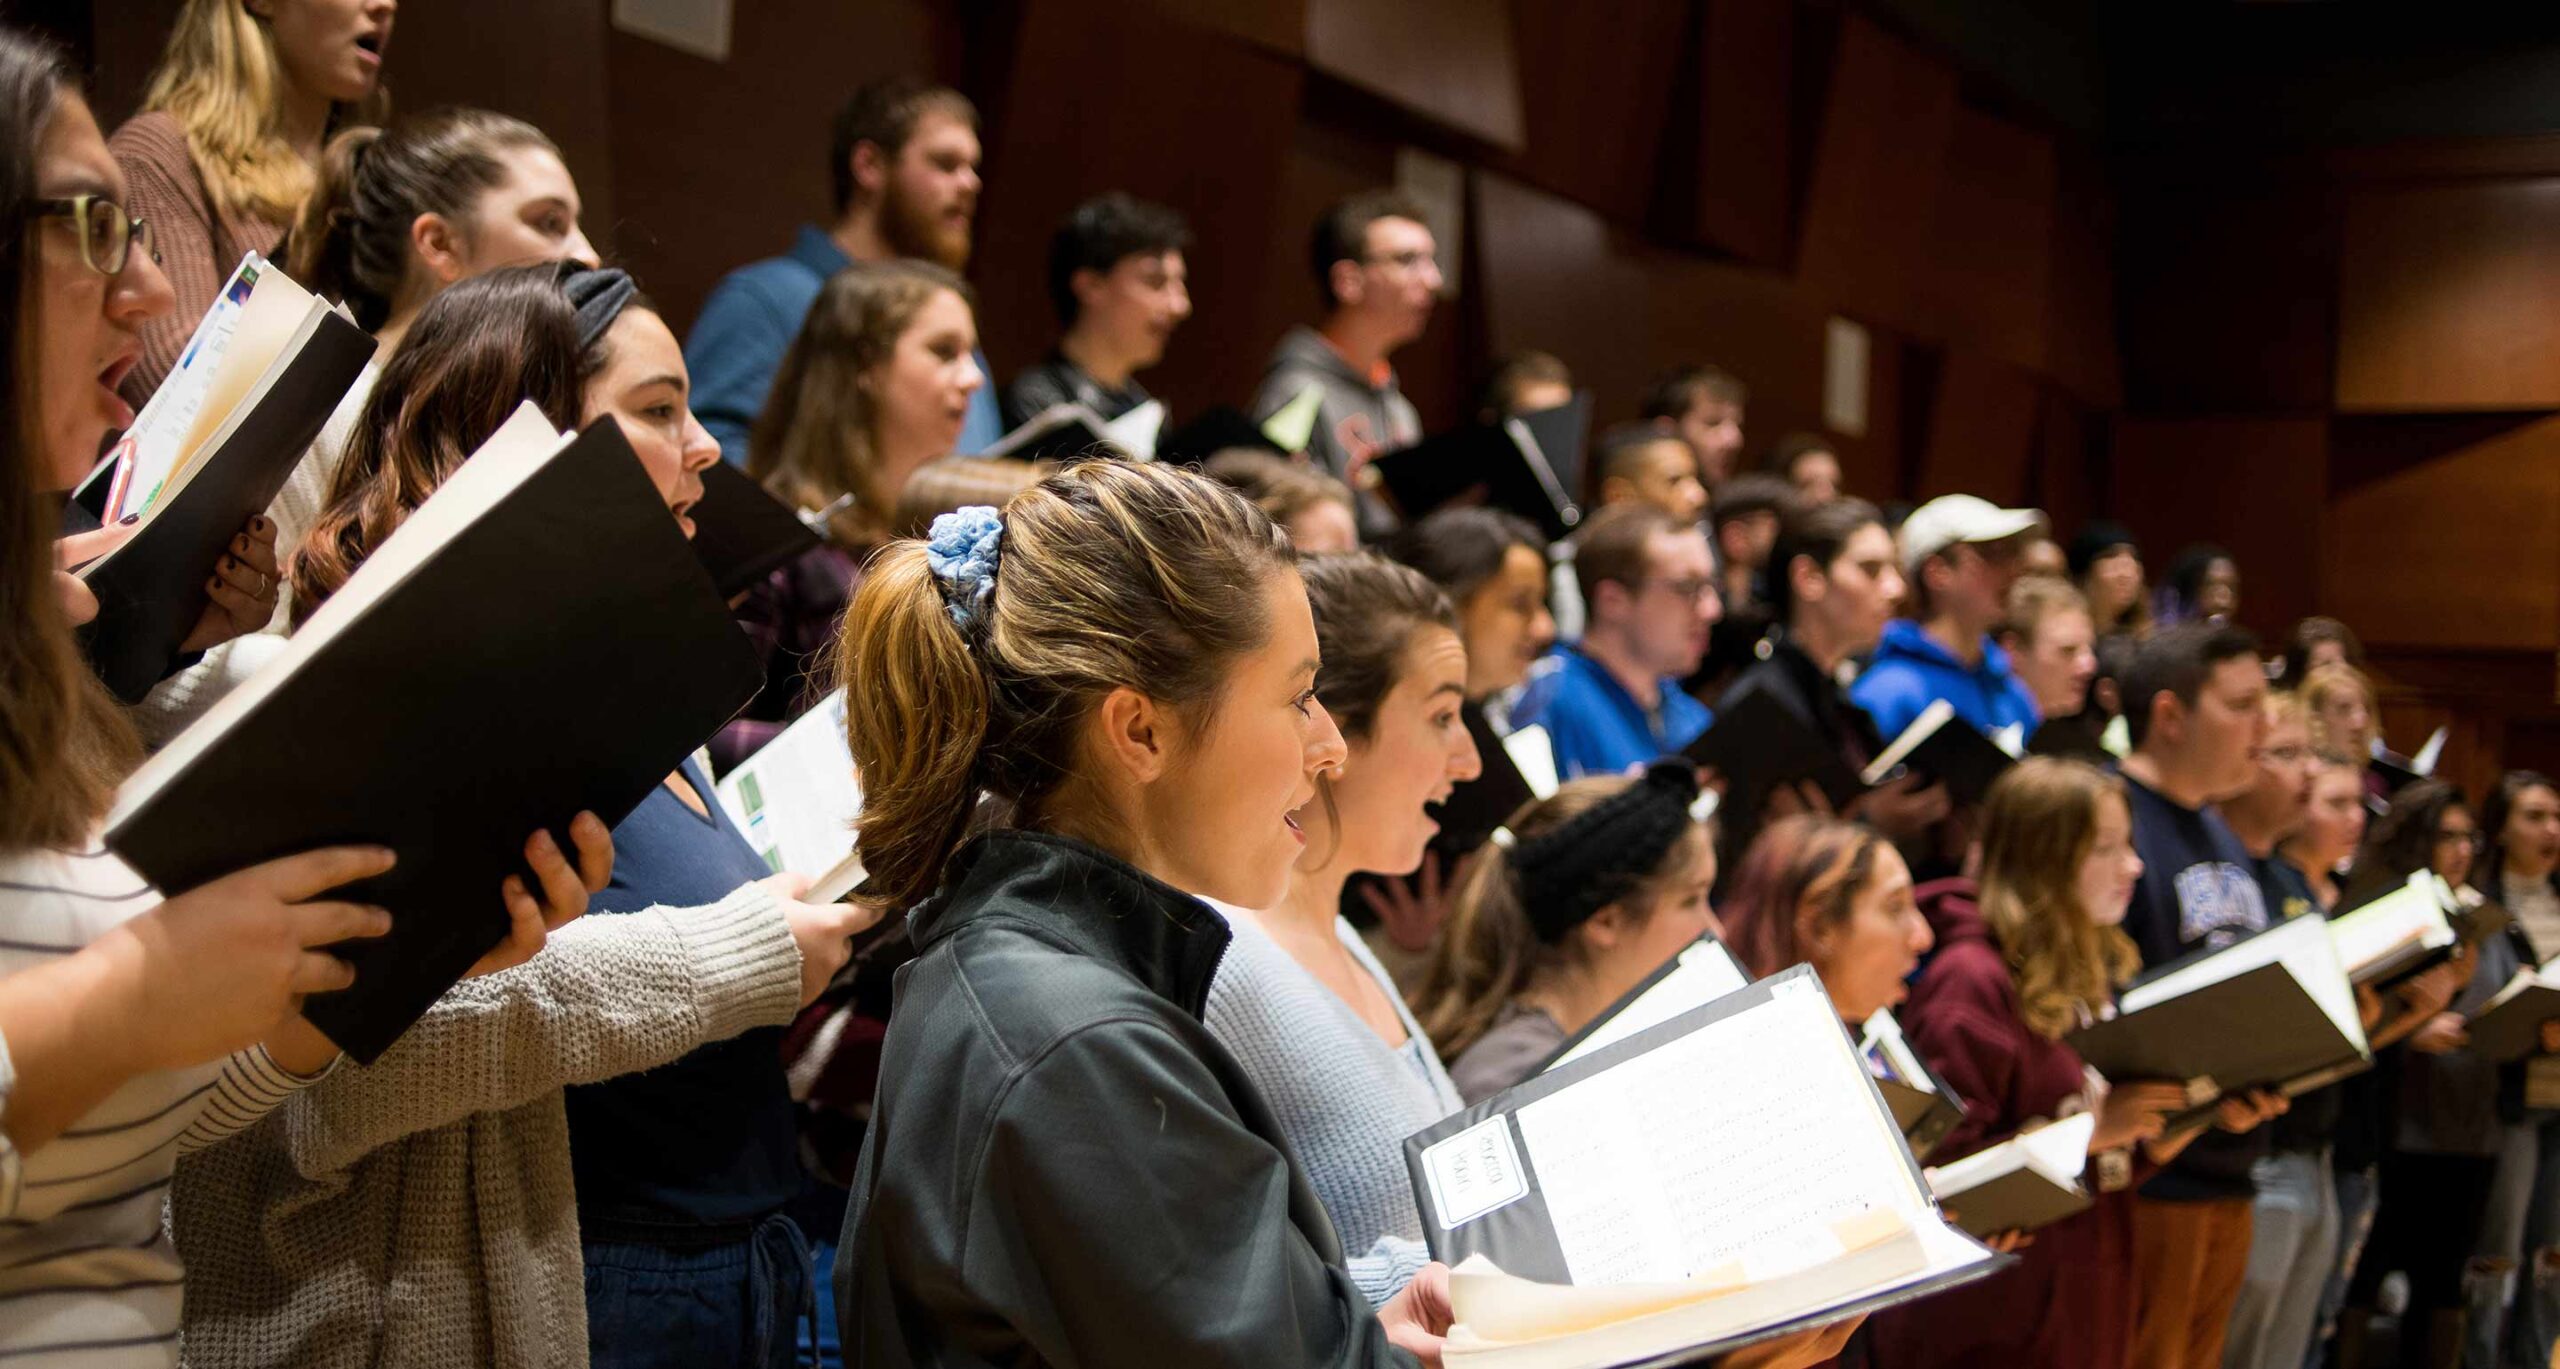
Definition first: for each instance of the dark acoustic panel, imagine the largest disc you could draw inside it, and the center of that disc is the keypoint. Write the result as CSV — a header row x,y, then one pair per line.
x,y
1451,61
1990,282
1595,99
2253,485
1556,276
1982,430
2069,481
1065,136
2226,296
719,163
1280,25
2445,531
2449,297
1738,160
2080,336
1887,127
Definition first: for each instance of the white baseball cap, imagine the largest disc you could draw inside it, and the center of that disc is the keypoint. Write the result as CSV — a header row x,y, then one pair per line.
x,y
1952,518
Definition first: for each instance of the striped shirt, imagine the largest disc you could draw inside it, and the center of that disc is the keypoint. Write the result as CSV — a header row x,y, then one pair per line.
x,y
88,1277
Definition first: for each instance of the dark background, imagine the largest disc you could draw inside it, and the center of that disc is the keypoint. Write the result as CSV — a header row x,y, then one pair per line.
x,y
2282,276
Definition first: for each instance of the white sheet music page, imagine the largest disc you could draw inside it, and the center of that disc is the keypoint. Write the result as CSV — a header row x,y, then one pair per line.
x,y
1747,1129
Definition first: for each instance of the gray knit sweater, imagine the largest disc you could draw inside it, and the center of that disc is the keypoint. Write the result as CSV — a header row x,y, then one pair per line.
x,y
420,1212
1345,1099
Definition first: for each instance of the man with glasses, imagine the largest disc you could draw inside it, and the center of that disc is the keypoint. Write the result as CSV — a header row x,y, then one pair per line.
x,y
1960,555
1377,268
1613,701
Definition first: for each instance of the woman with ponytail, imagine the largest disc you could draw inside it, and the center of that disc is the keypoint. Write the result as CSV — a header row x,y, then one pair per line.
x,y
222,155
1590,891
1063,1165
400,213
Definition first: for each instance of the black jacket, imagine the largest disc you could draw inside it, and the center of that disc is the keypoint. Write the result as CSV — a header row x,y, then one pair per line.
x,y
1064,1167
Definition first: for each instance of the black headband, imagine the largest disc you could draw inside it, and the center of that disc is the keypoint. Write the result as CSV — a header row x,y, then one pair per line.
x,y
599,297
1605,852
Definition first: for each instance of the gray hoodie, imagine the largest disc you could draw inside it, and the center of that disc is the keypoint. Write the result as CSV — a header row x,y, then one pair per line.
x,y
1355,421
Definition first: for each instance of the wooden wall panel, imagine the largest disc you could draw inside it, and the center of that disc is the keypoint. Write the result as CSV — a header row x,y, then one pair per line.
x,y
694,199
2225,296
1990,286
1738,149
1068,136
1887,126
1595,99
1982,430
1557,277
1279,25
2080,331
2254,485
2449,297
2445,532
2069,480
1450,61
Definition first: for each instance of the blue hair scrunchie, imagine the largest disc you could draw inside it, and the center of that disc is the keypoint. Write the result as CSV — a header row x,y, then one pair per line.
x,y
962,555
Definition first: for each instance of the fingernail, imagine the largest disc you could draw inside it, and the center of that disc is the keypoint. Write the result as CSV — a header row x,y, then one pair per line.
x,y
129,519
549,847
229,564
257,525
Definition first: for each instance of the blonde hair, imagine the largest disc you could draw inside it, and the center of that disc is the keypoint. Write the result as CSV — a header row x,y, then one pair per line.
x,y
221,80
2038,597
1109,575
818,438
2320,688
1489,951
2039,823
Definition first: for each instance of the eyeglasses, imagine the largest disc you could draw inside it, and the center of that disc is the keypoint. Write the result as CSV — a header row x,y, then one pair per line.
x,y
1694,591
107,232
1402,261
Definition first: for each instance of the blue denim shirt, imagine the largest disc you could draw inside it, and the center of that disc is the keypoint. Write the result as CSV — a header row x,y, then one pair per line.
x,y
748,323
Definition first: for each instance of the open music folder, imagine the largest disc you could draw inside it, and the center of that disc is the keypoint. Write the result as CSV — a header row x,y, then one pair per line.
x,y
796,800
2031,1180
2272,1010
535,640
1726,1176
211,448
1703,972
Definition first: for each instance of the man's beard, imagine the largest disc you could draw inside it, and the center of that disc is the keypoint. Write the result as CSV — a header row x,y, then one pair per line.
x,y
913,230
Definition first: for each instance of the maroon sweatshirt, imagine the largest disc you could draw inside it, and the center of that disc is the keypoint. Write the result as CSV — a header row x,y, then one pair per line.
x,y
2068,1302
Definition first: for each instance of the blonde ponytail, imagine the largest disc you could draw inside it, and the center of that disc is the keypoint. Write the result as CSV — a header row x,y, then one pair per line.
x,y
916,709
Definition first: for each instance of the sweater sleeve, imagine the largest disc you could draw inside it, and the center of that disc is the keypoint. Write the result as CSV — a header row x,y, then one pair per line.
x,y
160,179
610,995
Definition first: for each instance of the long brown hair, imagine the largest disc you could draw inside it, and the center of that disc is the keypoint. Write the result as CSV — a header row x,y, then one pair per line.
x,y
1796,864
818,438
2039,823
1490,951
64,744
219,79
1111,574
351,240
477,351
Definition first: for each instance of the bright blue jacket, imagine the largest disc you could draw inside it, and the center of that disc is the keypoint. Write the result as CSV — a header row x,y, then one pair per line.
x,y
747,324
1910,670
1596,726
